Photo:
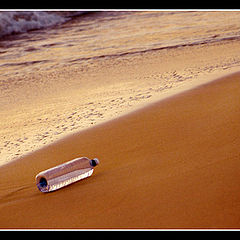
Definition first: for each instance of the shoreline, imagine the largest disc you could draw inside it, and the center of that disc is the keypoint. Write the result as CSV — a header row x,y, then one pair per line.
x,y
40,108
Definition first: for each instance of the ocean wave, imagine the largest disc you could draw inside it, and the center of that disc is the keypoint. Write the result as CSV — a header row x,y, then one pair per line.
x,y
12,22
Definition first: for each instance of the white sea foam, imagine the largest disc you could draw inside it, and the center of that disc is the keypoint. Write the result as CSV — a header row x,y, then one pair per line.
x,y
22,21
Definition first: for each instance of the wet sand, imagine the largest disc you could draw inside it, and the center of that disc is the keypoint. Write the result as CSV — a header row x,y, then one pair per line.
x,y
173,163
38,107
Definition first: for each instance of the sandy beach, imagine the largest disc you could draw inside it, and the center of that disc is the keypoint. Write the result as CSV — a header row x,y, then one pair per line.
x,y
171,164
38,108
164,124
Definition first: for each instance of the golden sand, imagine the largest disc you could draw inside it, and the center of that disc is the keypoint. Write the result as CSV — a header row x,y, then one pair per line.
x,y
172,164
166,136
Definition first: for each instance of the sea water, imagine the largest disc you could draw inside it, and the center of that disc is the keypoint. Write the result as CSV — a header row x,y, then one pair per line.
x,y
30,40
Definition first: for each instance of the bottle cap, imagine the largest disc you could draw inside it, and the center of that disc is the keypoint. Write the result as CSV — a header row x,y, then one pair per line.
x,y
94,162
